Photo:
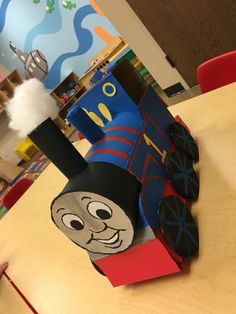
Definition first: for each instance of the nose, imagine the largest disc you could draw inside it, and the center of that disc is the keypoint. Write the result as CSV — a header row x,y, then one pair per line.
x,y
103,229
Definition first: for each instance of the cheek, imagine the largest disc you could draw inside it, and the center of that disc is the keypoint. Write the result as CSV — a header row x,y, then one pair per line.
x,y
81,237
78,236
120,222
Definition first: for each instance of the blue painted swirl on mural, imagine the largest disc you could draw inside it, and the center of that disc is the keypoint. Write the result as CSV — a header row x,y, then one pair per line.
x,y
51,23
3,11
85,41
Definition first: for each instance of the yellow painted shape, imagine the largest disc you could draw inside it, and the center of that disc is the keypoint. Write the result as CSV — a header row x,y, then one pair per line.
x,y
94,117
105,92
105,111
149,142
117,54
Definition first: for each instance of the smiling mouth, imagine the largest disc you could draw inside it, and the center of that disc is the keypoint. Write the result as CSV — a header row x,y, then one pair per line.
x,y
113,240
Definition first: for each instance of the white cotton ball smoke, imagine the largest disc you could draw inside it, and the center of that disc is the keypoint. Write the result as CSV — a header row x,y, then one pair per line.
x,y
30,106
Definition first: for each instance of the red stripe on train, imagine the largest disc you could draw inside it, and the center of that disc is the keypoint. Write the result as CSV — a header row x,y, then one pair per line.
x,y
121,128
115,138
108,151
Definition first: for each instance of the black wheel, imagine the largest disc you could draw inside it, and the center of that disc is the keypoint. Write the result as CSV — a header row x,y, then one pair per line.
x,y
183,140
178,226
182,175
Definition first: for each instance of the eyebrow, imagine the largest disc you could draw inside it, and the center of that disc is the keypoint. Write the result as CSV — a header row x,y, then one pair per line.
x,y
84,197
59,209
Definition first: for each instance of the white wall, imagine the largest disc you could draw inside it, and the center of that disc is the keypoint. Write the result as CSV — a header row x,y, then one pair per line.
x,y
140,40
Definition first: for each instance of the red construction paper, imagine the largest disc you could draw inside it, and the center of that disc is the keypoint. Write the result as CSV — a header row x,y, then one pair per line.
x,y
169,190
178,119
144,261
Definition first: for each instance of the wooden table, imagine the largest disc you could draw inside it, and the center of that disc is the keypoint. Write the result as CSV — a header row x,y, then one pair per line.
x,y
10,302
56,275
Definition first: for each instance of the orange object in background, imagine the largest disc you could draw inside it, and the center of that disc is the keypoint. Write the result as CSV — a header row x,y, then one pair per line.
x,y
104,35
96,7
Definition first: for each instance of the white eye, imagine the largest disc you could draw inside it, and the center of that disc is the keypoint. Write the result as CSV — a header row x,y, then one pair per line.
x,y
99,210
72,221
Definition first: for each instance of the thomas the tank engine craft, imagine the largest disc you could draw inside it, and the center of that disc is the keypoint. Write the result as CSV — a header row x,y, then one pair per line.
x,y
126,202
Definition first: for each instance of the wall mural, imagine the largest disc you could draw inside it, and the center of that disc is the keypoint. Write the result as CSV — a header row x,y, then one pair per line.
x,y
34,62
50,4
49,39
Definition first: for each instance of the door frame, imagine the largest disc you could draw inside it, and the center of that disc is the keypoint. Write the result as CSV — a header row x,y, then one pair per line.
x,y
144,45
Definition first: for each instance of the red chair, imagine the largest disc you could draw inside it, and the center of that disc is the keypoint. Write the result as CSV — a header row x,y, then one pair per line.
x,y
217,72
16,192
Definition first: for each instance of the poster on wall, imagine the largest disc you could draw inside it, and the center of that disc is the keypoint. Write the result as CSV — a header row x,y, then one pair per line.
x,y
48,39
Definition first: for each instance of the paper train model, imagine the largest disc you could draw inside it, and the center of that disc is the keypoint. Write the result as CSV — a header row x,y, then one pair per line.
x,y
128,201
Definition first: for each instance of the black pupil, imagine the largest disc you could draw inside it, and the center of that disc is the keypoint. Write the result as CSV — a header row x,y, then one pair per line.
x,y
76,224
103,214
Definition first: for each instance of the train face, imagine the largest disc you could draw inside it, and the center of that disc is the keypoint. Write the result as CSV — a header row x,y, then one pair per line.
x,y
91,212
128,207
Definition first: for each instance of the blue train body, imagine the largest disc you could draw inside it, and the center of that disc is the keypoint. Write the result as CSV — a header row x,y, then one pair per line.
x,y
133,135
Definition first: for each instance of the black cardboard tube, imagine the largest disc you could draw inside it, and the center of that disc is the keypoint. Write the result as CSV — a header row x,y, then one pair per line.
x,y
55,145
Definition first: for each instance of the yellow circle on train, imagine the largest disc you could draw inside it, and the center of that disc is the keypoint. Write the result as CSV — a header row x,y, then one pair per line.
x,y
105,91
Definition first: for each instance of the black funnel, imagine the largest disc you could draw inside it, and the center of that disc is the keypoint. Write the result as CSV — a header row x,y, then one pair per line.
x,y
55,145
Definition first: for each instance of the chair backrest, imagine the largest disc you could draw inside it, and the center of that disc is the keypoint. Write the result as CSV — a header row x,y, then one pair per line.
x,y
16,192
217,72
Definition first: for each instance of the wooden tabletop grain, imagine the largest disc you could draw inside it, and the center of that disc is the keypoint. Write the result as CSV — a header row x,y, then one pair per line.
x,y
56,275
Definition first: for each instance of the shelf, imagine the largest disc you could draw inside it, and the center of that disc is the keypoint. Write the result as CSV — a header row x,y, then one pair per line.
x,y
2,108
16,78
3,100
7,87
58,91
64,86
66,107
65,128
69,130
74,97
